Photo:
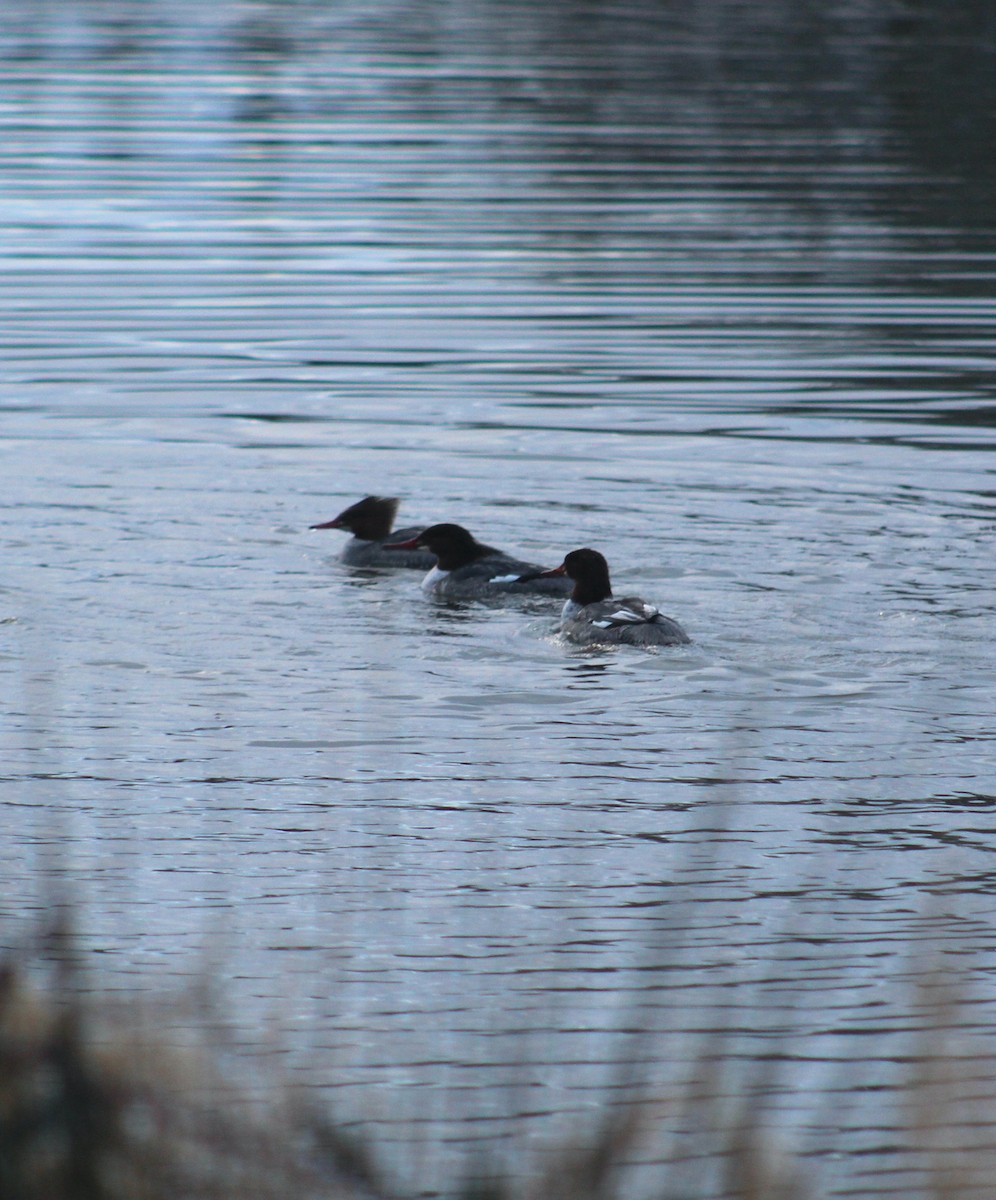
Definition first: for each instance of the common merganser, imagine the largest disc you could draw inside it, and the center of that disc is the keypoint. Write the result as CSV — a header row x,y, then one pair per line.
x,y
369,521
592,614
464,567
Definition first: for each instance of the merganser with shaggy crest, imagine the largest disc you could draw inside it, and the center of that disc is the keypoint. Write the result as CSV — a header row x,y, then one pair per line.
x,y
369,521
593,615
466,569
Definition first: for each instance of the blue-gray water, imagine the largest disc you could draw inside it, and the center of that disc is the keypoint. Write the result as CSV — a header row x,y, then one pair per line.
x,y
707,286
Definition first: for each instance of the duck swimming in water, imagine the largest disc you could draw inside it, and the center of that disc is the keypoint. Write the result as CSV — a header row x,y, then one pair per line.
x,y
467,569
369,521
593,615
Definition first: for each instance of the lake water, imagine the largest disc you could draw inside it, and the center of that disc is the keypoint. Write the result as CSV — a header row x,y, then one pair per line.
x,y
708,287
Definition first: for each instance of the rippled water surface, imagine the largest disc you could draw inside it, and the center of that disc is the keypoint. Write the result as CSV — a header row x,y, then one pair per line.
x,y
709,287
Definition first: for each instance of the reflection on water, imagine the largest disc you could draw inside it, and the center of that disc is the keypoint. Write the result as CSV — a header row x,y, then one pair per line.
x,y
707,287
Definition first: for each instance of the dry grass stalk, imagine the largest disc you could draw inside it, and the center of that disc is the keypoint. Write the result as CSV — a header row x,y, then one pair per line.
x,y
93,1107
90,1109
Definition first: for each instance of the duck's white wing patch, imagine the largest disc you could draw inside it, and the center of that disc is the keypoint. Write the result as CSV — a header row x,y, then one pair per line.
x,y
627,616
504,579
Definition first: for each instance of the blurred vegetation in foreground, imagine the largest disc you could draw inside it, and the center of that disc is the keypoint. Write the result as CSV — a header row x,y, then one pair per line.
x,y
96,1105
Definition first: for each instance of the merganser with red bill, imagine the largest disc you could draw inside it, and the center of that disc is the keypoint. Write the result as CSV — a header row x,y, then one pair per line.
x,y
369,521
467,569
593,615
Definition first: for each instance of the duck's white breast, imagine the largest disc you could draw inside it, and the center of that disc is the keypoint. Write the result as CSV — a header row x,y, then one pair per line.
x,y
435,579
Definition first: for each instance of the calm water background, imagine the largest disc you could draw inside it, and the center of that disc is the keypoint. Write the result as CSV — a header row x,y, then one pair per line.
x,y
708,286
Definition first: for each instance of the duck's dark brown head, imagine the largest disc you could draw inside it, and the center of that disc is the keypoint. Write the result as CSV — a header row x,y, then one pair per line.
x,y
590,573
370,518
452,545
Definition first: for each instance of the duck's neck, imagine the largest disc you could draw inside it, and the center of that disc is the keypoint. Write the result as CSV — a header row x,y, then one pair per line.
x,y
592,589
